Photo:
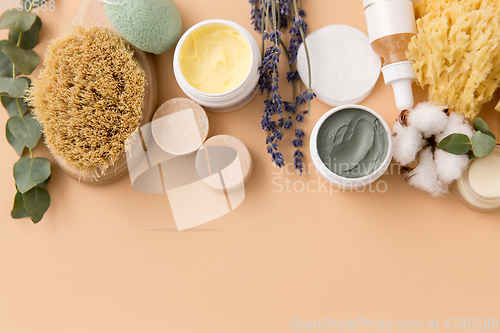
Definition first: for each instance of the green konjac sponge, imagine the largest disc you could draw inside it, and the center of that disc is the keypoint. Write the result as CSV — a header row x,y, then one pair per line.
x,y
152,25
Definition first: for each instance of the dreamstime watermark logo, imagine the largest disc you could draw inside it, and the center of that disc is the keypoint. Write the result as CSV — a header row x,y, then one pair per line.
x,y
285,180
194,183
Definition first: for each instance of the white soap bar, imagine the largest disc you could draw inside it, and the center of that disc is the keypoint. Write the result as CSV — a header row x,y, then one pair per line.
x,y
228,156
180,126
484,176
344,67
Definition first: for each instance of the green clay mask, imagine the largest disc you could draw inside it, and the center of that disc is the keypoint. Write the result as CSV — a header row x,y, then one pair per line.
x,y
352,143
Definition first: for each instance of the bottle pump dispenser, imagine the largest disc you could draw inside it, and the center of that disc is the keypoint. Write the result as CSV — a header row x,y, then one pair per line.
x,y
391,24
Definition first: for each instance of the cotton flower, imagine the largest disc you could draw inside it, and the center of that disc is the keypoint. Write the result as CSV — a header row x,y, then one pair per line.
x,y
428,118
426,176
407,142
449,166
456,124
415,145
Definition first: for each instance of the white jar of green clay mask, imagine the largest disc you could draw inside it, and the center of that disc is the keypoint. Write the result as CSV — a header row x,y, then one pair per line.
x,y
216,64
351,146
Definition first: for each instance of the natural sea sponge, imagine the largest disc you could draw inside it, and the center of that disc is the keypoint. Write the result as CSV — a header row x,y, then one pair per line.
x,y
457,52
88,97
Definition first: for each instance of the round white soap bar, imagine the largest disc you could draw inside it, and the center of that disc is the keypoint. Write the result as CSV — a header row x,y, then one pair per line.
x,y
224,162
484,176
344,67
180,126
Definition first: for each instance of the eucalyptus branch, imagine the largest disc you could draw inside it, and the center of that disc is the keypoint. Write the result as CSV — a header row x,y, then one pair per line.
x,y
23,130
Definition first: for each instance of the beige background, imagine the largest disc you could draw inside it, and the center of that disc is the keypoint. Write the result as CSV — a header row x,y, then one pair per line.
x,y
109,259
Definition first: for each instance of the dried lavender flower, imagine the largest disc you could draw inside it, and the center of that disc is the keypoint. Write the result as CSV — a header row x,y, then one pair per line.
x,y
270,17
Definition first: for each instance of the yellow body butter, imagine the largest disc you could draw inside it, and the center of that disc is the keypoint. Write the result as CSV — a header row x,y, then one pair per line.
x,y
215,58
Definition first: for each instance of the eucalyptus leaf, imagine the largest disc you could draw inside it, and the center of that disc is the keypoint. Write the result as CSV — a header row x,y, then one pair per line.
x,y
472,156
6,63
44,183
10,104
14,88
18,211
18,147
25,60
27,130
456,143
30,172
480,125
30,37
17,20
36,202
482,144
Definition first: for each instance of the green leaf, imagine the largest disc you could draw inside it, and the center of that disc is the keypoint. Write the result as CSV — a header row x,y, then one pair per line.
x,y
10,104
18,211
36,202
30,172
14,88
5,62
472,156
482,144
456,143
18,147
17,20
44,184
27,130
26,60
480,125
30,37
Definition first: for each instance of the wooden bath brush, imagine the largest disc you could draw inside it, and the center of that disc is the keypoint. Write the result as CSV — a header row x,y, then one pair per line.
x,y
93,91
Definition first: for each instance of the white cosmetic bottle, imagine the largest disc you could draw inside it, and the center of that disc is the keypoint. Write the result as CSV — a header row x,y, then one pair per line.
x,y
391,24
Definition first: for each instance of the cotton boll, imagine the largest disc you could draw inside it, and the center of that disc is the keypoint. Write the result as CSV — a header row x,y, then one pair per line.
x,y
456,124
406,143
450,167
428,124
425,176
428,118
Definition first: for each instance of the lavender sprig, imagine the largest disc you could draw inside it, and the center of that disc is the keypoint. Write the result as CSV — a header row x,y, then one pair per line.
x,y
298,32
269,83
256,15
270,17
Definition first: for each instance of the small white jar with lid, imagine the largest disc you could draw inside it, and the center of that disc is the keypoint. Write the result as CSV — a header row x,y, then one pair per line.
x,y
229,100
479,186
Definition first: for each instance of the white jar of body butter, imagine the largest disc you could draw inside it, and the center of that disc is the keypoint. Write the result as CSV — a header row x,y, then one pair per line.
x,y
373,165
479,186
235,97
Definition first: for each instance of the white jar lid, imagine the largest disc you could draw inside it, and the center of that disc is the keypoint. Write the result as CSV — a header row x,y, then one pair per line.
x,y
344,67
